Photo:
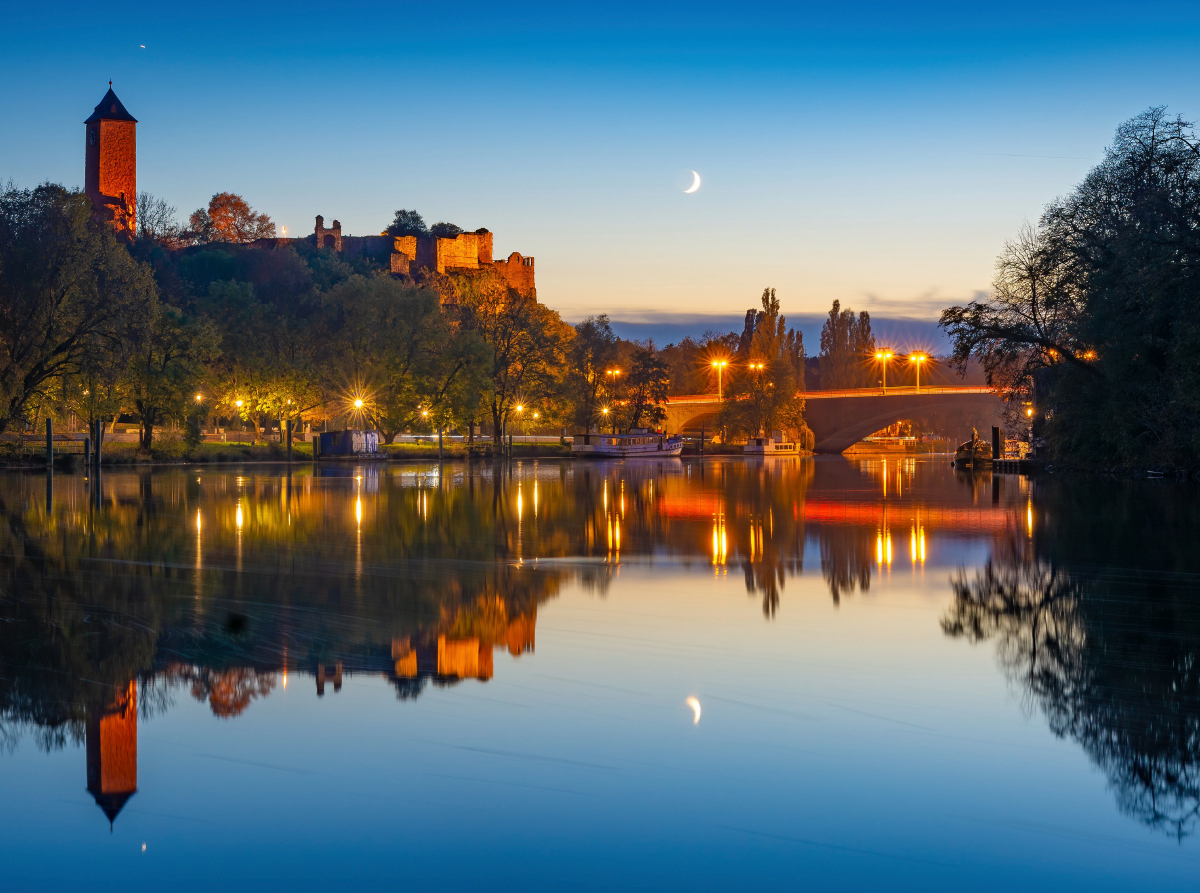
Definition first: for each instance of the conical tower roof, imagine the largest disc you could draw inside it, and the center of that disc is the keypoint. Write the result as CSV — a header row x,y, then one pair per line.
x,y
110,109
112,804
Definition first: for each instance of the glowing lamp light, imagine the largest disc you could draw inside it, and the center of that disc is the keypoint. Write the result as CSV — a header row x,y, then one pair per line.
x,y
520,408
237,403
605,410
358,404
199,397
1029,413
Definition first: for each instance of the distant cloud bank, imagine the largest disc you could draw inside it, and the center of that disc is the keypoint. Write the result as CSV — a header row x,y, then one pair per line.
x,y
897,332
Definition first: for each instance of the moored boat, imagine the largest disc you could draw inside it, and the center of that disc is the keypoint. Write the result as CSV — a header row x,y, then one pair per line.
x,y
973,453
638,442
775,445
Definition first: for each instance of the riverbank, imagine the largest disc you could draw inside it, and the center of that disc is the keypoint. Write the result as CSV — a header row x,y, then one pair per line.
x,y
116,455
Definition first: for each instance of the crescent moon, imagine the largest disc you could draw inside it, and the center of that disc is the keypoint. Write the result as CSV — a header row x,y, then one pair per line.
x,y
694,703
695,185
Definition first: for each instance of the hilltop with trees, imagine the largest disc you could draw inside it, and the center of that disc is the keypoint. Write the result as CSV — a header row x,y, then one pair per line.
x,y
188,326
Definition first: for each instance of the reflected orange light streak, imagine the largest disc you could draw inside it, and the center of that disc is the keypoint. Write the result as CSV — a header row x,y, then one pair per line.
x,y
872,514
883,548
720,542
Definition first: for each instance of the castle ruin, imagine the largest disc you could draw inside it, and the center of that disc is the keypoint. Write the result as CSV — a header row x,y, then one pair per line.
x,y
110,181
405,255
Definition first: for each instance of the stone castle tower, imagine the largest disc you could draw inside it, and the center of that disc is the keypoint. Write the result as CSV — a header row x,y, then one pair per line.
x,y
110,166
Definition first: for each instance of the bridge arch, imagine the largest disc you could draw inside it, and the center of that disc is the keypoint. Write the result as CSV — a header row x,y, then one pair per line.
x,y
840,419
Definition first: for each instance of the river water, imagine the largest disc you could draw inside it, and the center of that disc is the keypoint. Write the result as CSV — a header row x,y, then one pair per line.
x,y
659,675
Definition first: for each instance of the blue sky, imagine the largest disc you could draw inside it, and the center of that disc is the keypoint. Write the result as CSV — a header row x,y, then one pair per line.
x,y
876,154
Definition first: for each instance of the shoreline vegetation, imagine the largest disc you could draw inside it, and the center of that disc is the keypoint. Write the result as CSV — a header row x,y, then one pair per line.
x,y
219,326
1091,326
195,330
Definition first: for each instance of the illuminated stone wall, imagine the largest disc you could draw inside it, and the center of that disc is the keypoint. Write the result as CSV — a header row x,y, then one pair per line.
x,y
110,172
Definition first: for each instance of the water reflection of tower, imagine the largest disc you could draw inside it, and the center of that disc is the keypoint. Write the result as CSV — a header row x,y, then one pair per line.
x,y
112,753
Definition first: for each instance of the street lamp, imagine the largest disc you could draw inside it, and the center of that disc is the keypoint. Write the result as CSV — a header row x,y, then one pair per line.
x,y
613,375
883,356
918,358
237,403
720,365
358,403
199,397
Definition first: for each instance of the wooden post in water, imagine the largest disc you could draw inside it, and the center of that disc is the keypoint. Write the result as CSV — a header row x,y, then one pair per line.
x,y
288,435
87,454
997,444
98,425
49,442
441,453
701,443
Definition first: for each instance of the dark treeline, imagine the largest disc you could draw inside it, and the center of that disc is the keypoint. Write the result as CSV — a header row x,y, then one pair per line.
x,y
1092,315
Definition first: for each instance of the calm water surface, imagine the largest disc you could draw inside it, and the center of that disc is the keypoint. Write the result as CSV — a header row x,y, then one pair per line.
x,y
650,675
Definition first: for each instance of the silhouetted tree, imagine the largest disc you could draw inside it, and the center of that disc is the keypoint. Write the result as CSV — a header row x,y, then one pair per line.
x,y
1092,311
847,348
408,223
68,291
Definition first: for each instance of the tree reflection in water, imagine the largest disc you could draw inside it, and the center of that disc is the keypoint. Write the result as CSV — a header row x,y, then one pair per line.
x,y
847,559
216,583
1112,662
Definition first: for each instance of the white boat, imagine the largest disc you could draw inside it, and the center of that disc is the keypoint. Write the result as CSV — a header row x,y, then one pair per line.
x,y
774,445
638,442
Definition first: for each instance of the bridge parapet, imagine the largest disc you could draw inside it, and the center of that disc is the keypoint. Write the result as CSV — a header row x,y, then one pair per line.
x,y
841,418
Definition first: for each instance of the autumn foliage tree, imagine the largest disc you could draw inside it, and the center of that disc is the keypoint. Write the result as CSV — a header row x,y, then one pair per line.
x,y
766,394
228,218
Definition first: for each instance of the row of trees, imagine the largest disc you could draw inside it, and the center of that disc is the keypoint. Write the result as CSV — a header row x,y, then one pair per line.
x,y
1092,314
164,332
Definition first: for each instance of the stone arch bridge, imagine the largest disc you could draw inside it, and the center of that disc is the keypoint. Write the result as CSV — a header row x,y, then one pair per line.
x,y
840,419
